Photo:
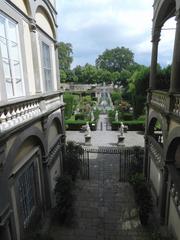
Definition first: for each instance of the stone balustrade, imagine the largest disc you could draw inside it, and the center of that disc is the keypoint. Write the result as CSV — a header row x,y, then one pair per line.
x,y
20,111
53,101
156,152
165,102
14,115
176,105
160,99
176,196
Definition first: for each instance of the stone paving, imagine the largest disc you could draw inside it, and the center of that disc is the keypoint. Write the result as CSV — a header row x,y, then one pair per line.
x,y
105,208
107,138
101,137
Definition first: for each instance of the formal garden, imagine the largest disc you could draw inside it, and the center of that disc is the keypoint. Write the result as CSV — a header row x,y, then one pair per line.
x,y
80,109
124,112
84,107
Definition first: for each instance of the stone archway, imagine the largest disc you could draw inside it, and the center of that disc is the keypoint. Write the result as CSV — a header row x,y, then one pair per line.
x,y
26,179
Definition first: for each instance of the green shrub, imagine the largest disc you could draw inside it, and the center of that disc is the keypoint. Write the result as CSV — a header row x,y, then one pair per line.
x,y
80,116
64,210
69,101
72,159
111,115
141,188
116,97
71,121
134,125
142,118
142,196
127,116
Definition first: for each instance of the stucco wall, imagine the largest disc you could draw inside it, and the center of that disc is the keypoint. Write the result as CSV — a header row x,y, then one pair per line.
x,y
174,219
155,177
53,132
21,5
172,125
29,58
28,145
43,22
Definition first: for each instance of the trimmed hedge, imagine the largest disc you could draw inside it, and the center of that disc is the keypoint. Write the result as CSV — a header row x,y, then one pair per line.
x,y
134,125
79,116
75,125
127,116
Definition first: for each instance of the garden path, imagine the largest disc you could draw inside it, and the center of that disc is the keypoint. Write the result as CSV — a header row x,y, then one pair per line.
x,y
105,208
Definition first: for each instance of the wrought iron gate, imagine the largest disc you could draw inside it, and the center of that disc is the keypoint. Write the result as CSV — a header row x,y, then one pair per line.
x,y
84,164
127,158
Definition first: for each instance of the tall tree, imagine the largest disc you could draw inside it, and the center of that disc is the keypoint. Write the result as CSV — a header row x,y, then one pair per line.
x,y
116,59
65,53
138,84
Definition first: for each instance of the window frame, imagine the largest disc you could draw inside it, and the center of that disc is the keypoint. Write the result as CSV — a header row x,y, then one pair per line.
x,y
8,40
48,86
24,190
44,40
34,157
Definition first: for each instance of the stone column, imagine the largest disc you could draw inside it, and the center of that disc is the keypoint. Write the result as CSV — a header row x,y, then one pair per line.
x,y
153,71
175,72
36,65
163,195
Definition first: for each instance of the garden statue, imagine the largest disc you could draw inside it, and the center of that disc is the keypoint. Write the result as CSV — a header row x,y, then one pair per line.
x,y
121,136
87,135
92,116
116,116
121,129
88,130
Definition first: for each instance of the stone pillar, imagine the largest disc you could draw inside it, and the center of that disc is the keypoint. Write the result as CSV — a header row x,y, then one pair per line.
x,y
146,158
36,65
47,184
175,71
163,195
154,56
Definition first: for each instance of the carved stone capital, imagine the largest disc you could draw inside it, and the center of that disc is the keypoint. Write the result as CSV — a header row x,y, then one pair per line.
x,y
56,44
32,25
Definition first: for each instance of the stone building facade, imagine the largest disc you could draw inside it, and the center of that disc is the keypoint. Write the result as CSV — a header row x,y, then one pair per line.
x,y
31,114
162,159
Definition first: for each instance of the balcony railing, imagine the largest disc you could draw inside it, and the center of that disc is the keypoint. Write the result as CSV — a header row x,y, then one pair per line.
x,y
20,111
175,188
176,105
160,99
156,151
166,103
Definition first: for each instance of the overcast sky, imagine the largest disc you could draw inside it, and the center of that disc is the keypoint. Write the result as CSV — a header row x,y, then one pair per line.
x,y
92,26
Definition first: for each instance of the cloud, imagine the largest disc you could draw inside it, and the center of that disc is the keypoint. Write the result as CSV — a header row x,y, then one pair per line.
x,y
93,26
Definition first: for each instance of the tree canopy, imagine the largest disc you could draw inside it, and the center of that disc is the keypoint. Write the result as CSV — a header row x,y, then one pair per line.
x,y
65,55
116,59
137,86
